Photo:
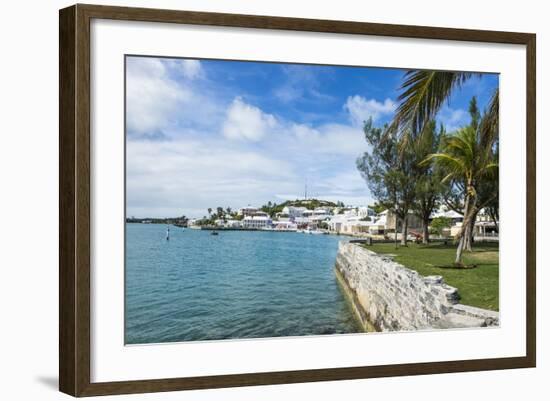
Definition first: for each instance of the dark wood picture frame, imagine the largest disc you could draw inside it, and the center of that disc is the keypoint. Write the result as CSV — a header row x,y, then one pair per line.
x,y
74,199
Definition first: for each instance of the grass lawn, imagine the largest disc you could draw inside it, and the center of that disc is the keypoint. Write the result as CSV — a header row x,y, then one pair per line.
x,y
477,286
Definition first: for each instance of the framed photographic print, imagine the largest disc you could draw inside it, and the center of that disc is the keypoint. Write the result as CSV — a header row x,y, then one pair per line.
x,y
250,200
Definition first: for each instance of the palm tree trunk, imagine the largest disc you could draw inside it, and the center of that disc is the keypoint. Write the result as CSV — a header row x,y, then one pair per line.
x,y
469,233
462,233
458,259
404,231
467,243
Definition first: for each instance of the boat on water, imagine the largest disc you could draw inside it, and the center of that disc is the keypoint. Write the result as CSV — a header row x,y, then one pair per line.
x,y
214,233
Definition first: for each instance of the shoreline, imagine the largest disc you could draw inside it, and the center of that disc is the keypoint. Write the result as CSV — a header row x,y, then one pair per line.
x,y
387,296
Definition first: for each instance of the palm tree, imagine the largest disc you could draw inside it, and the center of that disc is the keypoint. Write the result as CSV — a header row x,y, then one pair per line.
x,y
470,157
423,94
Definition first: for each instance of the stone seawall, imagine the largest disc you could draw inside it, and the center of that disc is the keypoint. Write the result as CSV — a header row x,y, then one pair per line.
x,y
386,296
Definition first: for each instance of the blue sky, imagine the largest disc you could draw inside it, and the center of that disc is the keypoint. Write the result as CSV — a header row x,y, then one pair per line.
x,y
207,133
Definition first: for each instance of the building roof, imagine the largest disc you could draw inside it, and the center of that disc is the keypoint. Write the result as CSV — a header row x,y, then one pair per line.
x,y
451,214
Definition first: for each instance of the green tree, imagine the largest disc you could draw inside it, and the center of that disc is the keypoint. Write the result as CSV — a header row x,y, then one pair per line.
x,y
377,207
428,186
440,223
468,157
389,174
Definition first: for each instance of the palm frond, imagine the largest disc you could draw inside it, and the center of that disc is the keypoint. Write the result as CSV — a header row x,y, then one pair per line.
x,y
423,94
489,126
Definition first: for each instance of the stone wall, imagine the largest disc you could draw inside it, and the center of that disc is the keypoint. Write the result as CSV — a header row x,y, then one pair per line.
x,y
386,296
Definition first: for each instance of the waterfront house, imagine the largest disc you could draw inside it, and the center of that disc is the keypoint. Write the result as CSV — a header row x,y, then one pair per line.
x,y
378,227
285,225
256,222
348,223
336,222
355,225
232,223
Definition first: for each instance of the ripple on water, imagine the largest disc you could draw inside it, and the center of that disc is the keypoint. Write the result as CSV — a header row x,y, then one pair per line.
x,y
239,284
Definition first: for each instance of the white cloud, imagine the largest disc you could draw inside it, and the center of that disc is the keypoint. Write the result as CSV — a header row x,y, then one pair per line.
x,y
191,69
453,119
360,109
244,121
164,95
151,97
331,139
188,176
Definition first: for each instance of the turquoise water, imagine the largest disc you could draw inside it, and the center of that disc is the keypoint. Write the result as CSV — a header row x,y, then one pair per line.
x,y
239,284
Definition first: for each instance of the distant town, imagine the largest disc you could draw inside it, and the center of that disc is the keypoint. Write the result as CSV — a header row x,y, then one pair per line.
x,y
315,216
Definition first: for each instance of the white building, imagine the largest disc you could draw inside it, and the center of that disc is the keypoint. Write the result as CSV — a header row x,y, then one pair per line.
x,y
336,222
232,223
294,211
455,218
247,211
378,227
318,214
353,222
285,225
256,222
364,211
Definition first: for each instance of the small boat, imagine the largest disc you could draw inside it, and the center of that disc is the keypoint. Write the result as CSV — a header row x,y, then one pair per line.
x,y
214,233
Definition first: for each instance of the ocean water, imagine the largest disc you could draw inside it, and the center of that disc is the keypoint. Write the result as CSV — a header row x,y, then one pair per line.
x,y
239,284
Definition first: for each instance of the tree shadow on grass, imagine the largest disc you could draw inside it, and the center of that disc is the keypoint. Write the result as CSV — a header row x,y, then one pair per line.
x,y
457,267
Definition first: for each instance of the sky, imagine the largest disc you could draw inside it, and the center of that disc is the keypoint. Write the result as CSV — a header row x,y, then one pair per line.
x,y
209,133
